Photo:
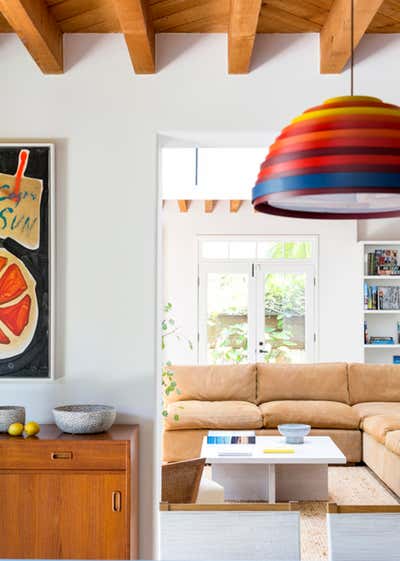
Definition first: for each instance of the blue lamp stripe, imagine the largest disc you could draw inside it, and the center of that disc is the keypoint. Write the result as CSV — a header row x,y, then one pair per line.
x,y
327,181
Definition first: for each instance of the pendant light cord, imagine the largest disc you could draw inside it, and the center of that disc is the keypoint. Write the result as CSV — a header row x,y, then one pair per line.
x,y
352,49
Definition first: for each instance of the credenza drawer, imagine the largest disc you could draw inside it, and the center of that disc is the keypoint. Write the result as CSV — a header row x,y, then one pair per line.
x,y
36,454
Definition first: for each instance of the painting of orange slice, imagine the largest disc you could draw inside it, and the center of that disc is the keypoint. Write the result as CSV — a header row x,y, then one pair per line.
x,y
18,305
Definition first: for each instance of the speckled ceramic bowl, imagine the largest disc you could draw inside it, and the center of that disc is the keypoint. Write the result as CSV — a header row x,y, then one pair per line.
x,y
10,414
294,433
84,419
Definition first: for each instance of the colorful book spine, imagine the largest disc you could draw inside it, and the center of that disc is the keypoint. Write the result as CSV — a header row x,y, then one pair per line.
x,y
366,338
374,297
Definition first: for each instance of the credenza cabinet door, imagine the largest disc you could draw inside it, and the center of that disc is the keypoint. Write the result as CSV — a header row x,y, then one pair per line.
x,y
49,515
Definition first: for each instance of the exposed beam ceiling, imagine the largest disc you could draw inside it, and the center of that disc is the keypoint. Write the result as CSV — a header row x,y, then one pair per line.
x,y
235,205
242,30
209,206
137,27
36,27
335,36
183,205
41,23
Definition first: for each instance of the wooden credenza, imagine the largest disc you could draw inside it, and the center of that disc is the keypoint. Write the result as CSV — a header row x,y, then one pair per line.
x,y
70,496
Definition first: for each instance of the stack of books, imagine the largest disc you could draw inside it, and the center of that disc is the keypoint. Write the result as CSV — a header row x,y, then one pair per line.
x,y
244,442
381,340
383,262
381,297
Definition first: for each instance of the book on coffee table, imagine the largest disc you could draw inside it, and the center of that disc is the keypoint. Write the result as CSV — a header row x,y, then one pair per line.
x,y
231,437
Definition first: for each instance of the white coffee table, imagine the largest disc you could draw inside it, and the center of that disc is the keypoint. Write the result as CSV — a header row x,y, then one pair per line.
x,y
299,476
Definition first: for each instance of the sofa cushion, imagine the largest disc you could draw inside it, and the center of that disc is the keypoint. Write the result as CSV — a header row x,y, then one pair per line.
x,y
392,441
231,382
379,425
318,414
374,382
325,381
372,408
213,415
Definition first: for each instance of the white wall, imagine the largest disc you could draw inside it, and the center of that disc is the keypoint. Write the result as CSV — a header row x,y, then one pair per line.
x,y
379,230
104,121
339,318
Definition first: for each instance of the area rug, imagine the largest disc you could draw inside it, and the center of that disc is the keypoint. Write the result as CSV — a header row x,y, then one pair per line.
x,y
347,485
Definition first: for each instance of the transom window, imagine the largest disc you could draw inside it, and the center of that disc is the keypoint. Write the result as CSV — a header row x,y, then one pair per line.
x,y
260,249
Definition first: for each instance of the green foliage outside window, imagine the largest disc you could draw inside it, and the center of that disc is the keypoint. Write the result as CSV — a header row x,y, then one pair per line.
x,y
283,300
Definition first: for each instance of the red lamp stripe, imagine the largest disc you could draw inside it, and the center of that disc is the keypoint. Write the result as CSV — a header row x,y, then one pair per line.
x,y
358,160
354,140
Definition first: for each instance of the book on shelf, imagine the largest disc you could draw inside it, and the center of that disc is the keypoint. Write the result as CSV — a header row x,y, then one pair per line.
x,y
381,297
366,338
383,262
381,341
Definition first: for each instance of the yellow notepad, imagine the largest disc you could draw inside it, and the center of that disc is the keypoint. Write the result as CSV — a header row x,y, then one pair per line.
x,y
278,451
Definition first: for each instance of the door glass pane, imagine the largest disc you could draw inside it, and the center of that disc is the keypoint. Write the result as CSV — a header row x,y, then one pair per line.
x,y
270,250
297,250
227,318
215,250
242,250
284,317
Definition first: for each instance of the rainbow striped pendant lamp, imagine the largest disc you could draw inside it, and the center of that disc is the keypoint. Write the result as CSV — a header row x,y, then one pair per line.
x,y
340,160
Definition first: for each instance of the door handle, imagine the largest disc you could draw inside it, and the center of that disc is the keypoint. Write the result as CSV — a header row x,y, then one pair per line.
x,y
116,501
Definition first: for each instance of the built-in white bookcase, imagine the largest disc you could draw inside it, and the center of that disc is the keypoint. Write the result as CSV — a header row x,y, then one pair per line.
x,y
381,323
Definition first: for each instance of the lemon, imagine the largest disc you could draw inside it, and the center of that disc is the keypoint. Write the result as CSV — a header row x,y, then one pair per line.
x,y
16,429
32,428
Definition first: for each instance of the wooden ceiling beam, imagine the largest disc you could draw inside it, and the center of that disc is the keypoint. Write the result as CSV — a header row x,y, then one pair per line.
x,y
209,206
33,23
235,205
137,27
335,35
183,205
242,30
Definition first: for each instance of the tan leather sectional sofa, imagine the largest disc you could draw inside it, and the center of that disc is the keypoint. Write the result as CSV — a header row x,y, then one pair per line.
x,y
358,405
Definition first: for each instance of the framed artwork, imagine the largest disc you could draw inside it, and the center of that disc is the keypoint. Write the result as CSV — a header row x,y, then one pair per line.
x,y
26,261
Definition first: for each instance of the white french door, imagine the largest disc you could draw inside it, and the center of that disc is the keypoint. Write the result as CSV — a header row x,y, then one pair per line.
x,y
226,312
285,312
256,312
